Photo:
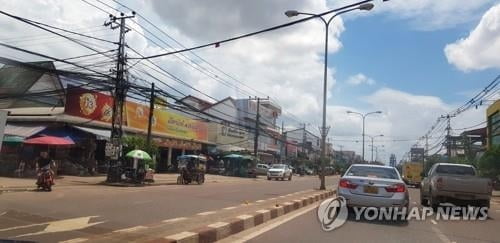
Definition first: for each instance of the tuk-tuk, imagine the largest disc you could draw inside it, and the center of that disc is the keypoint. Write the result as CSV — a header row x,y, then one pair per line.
x,y
239,165
191,168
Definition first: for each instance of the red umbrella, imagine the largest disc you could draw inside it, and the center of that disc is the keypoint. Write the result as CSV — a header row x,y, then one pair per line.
x,y
49,140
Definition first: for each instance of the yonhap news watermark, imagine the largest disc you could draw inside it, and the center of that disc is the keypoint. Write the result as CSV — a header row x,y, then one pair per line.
x,y
333,213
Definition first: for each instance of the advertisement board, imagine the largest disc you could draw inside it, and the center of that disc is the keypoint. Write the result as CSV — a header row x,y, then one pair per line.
x,y
97,106
89,104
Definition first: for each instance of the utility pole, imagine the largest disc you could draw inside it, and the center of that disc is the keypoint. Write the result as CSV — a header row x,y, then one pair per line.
x,y
426,147
282,143
151,114
372,150
448,134
304,139
120,91
257,122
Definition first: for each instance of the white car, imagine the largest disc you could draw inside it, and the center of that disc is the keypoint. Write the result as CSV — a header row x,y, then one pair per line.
x,y
261,169
279,171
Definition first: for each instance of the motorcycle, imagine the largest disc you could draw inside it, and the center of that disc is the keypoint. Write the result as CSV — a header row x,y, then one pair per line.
x,y
45,180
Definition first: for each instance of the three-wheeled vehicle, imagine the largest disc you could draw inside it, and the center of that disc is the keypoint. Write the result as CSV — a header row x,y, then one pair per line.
x,y
191,168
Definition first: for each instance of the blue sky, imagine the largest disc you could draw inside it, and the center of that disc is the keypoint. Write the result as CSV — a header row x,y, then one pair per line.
x,y
400,57
400,45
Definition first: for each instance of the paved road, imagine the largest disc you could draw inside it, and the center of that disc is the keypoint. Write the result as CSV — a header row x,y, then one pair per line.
x,y
306,228
75,212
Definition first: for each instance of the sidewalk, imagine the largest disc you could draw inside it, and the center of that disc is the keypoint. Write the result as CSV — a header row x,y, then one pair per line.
x,y
10,184
496,193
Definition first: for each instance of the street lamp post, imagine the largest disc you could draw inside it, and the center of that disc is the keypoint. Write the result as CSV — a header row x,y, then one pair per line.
x,y
293,13
364,117
372,138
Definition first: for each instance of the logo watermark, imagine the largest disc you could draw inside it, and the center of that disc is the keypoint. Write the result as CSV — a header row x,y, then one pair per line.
x,y
333,213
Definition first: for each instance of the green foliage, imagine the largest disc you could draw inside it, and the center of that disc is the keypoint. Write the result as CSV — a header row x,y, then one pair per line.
x,y
489,163
139,142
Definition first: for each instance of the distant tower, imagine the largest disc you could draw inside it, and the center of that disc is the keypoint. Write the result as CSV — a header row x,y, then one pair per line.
x,y
392,160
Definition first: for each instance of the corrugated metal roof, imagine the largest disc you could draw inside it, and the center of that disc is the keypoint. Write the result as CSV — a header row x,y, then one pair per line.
x,y
23,130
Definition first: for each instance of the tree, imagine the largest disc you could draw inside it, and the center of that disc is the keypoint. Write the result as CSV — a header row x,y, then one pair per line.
x,y
139,142
489,163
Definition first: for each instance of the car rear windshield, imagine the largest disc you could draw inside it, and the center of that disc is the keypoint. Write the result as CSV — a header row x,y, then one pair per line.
x,y
373,172
455,170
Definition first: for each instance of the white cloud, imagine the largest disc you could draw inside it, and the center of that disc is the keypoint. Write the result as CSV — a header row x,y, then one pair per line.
x,y
359,79
285,64
427,14
480,49
405,116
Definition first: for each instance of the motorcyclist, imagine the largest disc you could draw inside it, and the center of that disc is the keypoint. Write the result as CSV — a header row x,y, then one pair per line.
x,y
43,165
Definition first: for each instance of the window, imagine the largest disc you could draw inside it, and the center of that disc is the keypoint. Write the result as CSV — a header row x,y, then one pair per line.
x,y
455,170
494,128
374,172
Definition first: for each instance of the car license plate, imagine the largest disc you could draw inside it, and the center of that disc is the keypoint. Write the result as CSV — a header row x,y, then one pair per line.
x,y
371,189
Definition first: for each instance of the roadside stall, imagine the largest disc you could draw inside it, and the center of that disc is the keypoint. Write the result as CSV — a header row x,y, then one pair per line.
x,y
239,165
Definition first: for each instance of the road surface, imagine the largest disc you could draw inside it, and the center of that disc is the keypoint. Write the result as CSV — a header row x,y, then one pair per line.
x,y
306,228
82,211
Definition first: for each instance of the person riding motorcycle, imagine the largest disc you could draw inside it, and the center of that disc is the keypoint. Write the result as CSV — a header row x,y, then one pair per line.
x,y
45,174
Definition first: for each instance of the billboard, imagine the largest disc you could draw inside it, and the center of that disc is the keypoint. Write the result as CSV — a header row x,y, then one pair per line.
x,y
89,104
165,122
99,107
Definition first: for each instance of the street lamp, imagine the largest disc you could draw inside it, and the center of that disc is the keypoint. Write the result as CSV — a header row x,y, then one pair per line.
x,y
376,150
293,13
364,116
372,138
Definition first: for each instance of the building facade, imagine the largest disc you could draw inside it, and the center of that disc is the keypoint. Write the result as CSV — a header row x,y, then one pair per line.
x,y
493,127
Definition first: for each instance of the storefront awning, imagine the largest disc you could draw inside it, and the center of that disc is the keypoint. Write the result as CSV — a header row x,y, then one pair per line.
x,y
23,130
100,133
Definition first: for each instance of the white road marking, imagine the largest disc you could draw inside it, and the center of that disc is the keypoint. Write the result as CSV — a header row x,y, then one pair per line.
x,y
440,235
433,221
273,225
259,201
131,229
414,202
75,240
206,213
281,196
272,198
58,226
229,208
174,220
2,214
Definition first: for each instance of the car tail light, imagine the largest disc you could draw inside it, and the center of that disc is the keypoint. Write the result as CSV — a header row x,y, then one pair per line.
x,y
396,188
439,183
347,184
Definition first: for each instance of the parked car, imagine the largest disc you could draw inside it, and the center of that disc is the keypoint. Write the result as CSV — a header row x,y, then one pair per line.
x,y
279,171
373,186
455,183
261,169
216,170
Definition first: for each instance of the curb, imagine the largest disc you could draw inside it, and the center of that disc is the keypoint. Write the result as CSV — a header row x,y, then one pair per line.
x,y
220,230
